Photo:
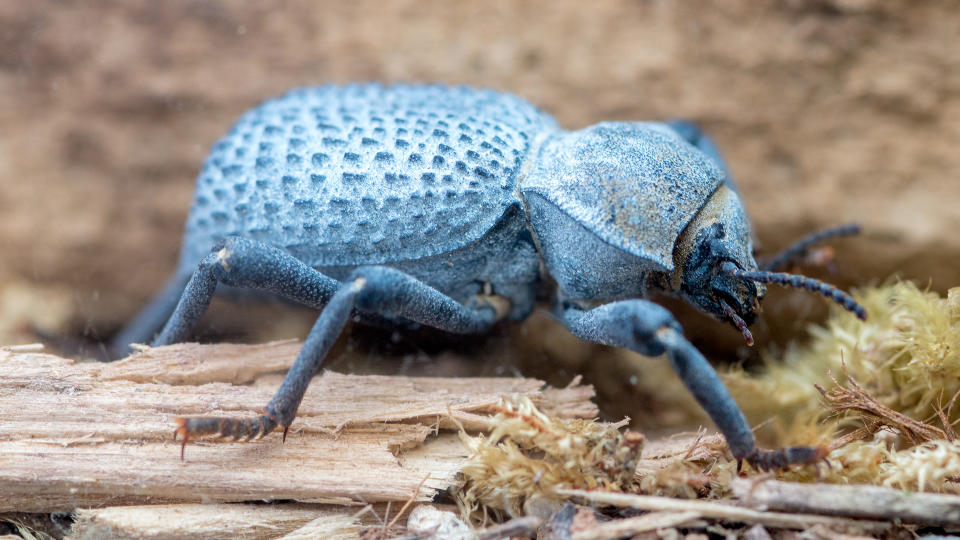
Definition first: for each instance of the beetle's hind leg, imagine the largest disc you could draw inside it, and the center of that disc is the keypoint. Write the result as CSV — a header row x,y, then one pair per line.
x,y
649,329
373,289
283,407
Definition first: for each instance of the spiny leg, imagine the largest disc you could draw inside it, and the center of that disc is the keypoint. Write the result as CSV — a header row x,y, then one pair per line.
x,y
373,289
651,330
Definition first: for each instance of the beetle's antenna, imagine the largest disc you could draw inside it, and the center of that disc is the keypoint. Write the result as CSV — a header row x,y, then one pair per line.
x,y
799,282
801,246
738,322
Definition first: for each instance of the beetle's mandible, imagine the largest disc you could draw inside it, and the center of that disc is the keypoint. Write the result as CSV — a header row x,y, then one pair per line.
x,y
415,203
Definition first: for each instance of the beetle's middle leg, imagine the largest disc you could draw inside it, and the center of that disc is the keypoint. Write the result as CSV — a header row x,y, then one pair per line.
x,y
649,329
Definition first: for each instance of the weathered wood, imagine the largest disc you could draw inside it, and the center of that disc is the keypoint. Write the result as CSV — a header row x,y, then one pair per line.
x,y
214,521
89,434
286,521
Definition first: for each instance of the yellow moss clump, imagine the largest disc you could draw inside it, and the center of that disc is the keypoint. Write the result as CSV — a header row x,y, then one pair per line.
x,y
900,368
932,466
907,355
528,453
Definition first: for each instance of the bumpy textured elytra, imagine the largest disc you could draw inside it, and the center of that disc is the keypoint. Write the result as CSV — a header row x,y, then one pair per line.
x,y
366,174
439,206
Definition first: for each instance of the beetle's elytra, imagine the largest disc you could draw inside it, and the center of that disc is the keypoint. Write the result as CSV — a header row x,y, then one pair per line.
x,y
439,205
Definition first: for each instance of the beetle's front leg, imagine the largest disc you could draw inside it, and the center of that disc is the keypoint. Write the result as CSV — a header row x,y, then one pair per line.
x,y
651,330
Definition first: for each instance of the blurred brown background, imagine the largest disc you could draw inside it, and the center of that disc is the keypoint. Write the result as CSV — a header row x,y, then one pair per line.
x,y
829,111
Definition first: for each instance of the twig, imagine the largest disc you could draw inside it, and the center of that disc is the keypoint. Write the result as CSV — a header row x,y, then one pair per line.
x,y
636,525
413,497
870,502
525,526
725,511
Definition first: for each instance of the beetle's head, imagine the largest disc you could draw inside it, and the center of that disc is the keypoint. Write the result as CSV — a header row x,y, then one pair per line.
x,y
714,268
718,235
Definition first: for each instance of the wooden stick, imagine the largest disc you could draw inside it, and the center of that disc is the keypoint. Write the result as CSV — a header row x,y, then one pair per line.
x,y
872,502
621,528
725,512
523,526
89,434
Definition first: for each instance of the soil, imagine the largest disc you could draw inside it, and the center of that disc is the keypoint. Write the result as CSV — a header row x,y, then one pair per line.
x,y
829,111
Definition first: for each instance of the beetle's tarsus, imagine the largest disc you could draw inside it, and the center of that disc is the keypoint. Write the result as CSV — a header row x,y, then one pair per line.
x,y
778,460
236,428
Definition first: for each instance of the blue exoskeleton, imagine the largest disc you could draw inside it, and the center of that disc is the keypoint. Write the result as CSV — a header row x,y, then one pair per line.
x,y
450,207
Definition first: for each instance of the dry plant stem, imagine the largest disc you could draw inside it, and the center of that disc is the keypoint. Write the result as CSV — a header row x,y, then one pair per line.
x,y
28,347
861,501
725,512
858,434
413,497
524,526
635,525
944,412
859,400
107,431
819,532
423,535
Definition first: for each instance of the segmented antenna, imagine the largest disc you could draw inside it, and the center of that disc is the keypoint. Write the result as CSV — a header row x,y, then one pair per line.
x,y
737,321
800,247
799,282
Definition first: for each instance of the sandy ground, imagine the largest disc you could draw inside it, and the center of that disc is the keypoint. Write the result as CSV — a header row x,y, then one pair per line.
x,y
829,111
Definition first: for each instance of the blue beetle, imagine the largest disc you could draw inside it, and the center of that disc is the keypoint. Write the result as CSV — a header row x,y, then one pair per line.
x,y
451,207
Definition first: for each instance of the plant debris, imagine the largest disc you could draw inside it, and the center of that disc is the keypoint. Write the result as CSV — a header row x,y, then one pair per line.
x,y
906,356
885,421
896,370
528,453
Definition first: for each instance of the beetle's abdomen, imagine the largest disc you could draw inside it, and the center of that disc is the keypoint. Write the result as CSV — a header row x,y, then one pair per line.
x,y
365,174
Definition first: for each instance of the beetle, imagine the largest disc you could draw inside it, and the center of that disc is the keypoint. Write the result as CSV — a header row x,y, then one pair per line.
x,y
451,207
